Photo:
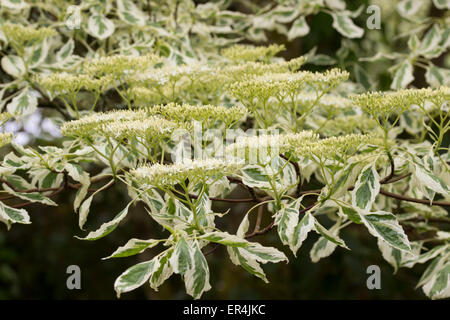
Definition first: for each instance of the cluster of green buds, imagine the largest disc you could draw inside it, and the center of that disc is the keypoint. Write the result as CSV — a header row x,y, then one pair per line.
x,y
5,116
87,126
201,113
384,104
166,176
118,65
332,147
5,138
20,35
262,148
284,84
347,124
65,83
241,52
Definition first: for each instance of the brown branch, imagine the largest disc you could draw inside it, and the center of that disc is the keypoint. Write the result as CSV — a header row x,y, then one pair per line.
x,y
404,198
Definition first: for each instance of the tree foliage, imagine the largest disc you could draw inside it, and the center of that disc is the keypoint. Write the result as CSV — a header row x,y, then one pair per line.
x,y
177,102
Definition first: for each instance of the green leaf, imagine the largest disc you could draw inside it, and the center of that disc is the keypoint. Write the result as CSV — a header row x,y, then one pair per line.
x,y
351,213
9,215
135,276
29,196
322,248
299,28
132,247
65,51
403,75
366,188
437,77
330,235
430,41
384,225
181,259
13,65
408,8
439,285
224,238
306,224
196,279
107,227
164,271
129,13
442,4
429,180
24,104
14,4
100,27
345,25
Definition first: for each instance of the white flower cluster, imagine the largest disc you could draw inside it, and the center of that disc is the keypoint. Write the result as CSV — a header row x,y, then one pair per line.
x,y
5,138
386,103
201,113
120,64
163,176
88,125
263,148
281,84
241,52
20,35
62,83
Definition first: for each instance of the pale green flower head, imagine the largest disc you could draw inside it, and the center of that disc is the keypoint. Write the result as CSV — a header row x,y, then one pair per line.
x,y
5,138
241,52
262,148
387,103
347,124
201,113
120,64
63,83
88,125
152,127
282,84
164,176
20,34
5,116
329,148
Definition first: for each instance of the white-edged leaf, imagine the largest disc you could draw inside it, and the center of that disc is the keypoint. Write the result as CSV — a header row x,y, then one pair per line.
x,y
345,25
29,196
442,4
164,270
430,41
181,259
196,279
14,4
132,247
403,75
130,13
100,27
322,248
384,225
65,51
299,28
135,276
439,285
437,77
107,227
408,8
23,104
9,215
13,65
429,180
366,188
224,238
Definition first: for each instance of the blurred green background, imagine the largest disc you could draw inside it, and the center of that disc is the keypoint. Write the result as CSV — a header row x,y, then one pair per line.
x,y
34,258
